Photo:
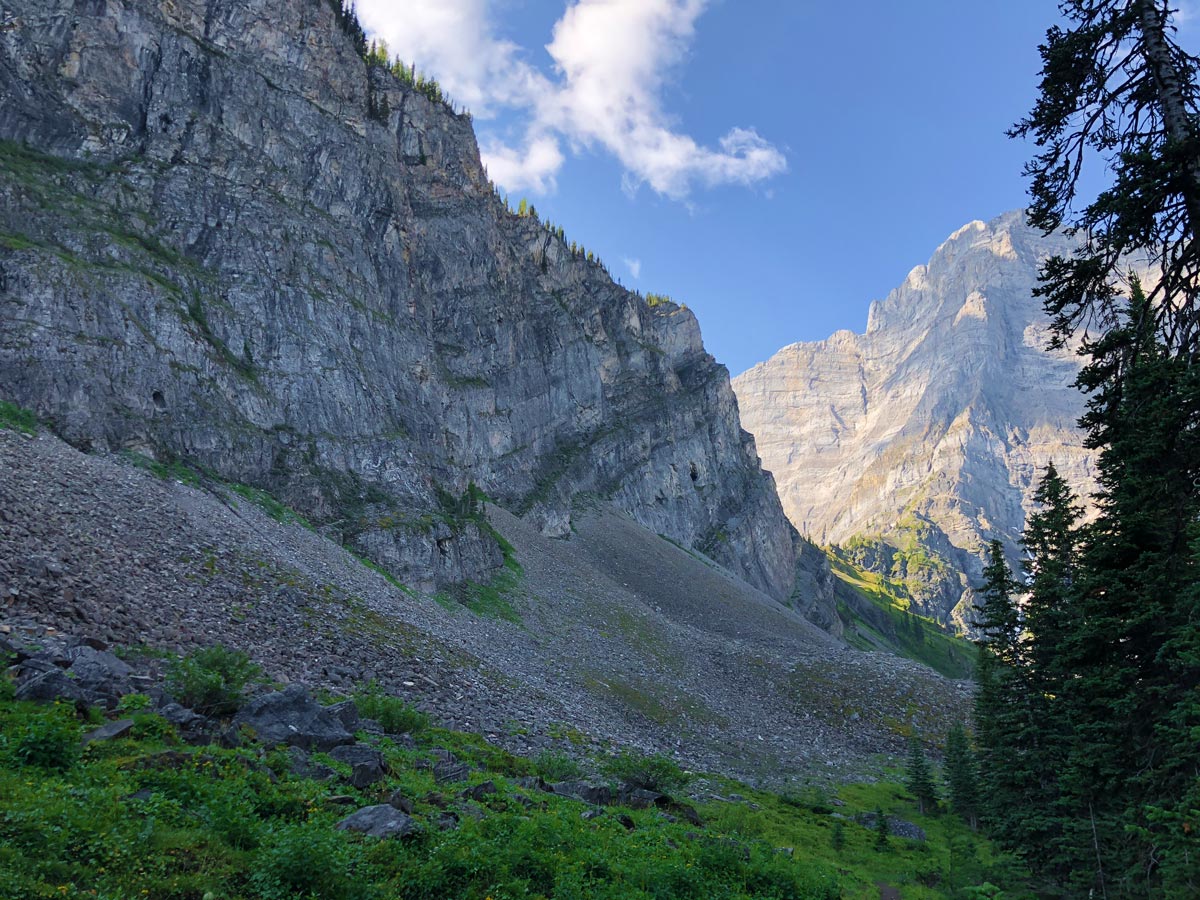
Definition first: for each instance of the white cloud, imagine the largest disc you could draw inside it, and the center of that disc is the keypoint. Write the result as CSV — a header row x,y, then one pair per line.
x,y
634,266
454,41
531,167
611,61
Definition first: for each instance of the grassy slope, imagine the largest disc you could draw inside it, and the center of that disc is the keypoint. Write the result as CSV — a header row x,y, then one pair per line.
x,y
876,616
148,817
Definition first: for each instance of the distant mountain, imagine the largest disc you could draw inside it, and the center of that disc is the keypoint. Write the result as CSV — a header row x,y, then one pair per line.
x,y
912,445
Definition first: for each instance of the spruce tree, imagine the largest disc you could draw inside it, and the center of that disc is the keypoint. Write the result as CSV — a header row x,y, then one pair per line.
x,y
962,776
919,778
1134,757
1002,710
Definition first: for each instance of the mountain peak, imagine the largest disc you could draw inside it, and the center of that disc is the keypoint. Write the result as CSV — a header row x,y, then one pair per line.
x,y
931,428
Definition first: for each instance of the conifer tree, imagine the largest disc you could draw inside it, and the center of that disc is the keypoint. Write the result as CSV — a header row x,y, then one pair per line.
x,y
962,776
1002,712
1113,646
919,777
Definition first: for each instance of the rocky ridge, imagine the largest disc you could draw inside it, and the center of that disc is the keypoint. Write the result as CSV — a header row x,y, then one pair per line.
x,y
225,238
913,444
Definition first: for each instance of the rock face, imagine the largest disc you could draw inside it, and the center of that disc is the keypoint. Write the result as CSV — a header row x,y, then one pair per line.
x,y
210,249
913,444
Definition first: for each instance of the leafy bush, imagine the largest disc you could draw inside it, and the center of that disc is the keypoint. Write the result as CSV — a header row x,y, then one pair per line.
x,y
133,703
305,860
211,681
8,690
17,419
395,715
47,741
652,773
554,765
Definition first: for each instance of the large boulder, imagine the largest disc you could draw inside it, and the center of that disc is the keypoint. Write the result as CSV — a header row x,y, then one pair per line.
x,y
380,821
293,717
595,794
366,763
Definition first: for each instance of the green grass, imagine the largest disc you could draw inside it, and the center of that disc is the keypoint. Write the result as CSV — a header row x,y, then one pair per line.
x,y
493,600
950,655
148,816
268,504
16,418
171,470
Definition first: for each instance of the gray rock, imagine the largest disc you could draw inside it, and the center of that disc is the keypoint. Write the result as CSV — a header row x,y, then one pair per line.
x,y
639,798
382,821
109,731
346,712
401,802
366,763
46,687
896,826
446,772
595,794
303,767
292,716
479,791
100,672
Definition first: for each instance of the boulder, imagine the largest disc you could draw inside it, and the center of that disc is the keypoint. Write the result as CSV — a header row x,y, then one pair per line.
x,y
46,687
346,712
99,671
595,794
402,803
640,798
302,767
293,717
109,731
366,763
479,791
380,821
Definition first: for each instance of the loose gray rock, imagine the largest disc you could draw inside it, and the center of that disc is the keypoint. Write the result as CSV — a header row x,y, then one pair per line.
x,y
109,731
595,794
346,712
292,716
46,687
401,802
367,764
382,821
479,791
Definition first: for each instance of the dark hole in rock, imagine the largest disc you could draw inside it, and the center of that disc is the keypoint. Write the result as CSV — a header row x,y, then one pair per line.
x,y
695,475
159,401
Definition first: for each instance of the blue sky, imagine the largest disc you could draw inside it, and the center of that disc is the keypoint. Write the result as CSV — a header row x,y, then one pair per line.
x,y
774,165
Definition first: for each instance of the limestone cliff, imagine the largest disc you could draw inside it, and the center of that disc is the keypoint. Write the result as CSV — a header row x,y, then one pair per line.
x,y
914,443
224,238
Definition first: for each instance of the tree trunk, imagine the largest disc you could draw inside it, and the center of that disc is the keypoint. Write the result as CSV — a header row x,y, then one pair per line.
x,y
1168,82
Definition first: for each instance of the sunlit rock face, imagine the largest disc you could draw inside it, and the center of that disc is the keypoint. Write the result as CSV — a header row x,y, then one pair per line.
x,y
224,238
917,442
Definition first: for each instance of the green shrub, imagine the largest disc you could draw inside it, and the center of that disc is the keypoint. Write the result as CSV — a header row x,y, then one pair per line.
x,y
211,681
48,739
554,765
133,703
17,419
395,715
8,690
652,773
305,860
150,726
